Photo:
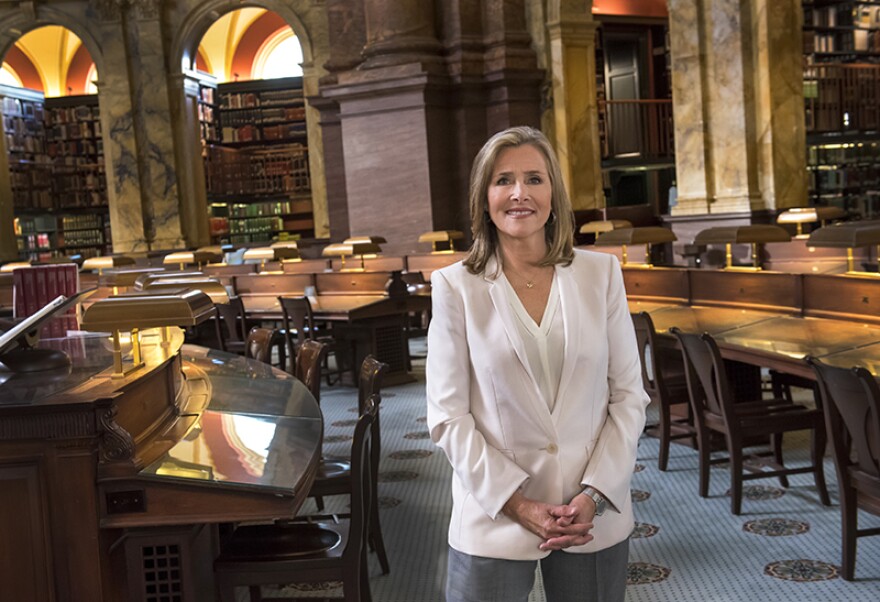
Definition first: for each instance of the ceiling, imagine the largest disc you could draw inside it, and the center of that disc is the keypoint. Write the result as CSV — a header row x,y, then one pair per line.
x,y
52,48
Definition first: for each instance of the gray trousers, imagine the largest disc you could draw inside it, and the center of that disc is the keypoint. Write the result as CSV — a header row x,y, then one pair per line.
x,y
597,577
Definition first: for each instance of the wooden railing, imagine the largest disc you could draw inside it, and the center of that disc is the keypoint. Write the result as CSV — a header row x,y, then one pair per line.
x,y
637,129
842,98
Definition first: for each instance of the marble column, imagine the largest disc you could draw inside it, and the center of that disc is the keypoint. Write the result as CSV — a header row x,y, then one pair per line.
x,y
120,149
572,39
136,121
689,107
346,32
8,244
151,118
780,124
738,106
189,164
317,162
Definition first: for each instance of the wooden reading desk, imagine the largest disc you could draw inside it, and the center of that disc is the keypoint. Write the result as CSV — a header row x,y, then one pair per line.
x,y
366,311
767,318
111,488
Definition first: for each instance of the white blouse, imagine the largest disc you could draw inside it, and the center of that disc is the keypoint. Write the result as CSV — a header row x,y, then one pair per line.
x,y
544,343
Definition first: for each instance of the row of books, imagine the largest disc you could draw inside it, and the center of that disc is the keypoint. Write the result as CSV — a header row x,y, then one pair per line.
x,y
270,208
834,154
238,100
22,108
846,178
83,129
24,143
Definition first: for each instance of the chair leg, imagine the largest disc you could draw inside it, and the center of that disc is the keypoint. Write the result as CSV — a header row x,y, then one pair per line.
x,y
319,502
663,459
849,532
704,443
817,452
776,443
736,476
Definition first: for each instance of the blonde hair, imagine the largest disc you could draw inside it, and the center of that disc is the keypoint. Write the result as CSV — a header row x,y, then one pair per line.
x,y
559,232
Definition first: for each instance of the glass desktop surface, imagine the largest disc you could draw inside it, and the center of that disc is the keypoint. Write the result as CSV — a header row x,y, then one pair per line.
x,y
258,452
699,319
648,306
260,430
89,354
247,386
800,337
867,357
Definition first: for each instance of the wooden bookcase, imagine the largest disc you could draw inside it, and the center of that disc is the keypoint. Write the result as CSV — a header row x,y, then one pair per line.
x,y
258,180
56,164
842,103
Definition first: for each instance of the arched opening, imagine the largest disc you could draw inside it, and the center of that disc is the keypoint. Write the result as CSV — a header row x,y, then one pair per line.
x,y
280,56
253,126
54,146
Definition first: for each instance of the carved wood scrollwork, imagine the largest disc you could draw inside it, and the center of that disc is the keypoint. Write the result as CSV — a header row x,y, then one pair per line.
x,y
116,443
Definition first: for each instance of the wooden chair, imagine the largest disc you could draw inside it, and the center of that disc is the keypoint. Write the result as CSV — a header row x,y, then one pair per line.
x,y
231,325
308,365
742,422
851,402
333,473
299,326
665,382
259,344
308,550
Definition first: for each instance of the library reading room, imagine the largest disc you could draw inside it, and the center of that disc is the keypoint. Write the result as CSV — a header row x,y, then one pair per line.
x,y
609,271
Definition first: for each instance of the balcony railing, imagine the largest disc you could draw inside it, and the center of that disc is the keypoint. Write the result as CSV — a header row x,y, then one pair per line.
x,y
640,130
842,98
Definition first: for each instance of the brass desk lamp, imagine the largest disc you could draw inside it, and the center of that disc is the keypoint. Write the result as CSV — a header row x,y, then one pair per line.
x,y
644,235
753,234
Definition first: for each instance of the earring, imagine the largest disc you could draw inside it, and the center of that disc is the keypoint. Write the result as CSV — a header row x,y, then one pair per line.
x,y
552,219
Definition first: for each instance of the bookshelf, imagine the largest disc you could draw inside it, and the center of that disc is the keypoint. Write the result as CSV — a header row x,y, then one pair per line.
x,y
257,166
56,164
842,103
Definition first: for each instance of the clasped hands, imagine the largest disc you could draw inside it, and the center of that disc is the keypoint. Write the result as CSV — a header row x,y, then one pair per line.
x,y
558,526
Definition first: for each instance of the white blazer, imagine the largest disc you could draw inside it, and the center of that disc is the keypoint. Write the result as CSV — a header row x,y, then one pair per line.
x,y
487,414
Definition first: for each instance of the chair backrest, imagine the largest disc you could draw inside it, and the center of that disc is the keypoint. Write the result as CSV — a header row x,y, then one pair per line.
x,y
707,382
299,323
370,379
851,403
369,385
259,344
362,481
308,365
230,322
644,328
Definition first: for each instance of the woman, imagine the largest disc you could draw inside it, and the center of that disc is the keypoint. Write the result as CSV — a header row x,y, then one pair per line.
x,y
534,391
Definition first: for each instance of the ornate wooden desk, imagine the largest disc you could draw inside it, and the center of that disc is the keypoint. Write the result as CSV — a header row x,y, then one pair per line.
x,y
767,318
111,489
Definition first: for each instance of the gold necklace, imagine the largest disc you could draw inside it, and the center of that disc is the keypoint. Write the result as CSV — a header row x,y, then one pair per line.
x,y
530,283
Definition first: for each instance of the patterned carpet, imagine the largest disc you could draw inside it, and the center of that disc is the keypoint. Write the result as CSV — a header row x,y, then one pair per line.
x,y
784,547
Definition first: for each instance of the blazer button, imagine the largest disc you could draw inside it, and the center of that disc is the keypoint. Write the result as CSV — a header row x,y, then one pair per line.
x,y
552,449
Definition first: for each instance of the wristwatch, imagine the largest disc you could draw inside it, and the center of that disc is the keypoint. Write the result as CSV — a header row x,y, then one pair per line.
x,y
598,498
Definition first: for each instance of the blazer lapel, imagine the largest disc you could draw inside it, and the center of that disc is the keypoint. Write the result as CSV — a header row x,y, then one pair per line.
x,y
505,312
570,302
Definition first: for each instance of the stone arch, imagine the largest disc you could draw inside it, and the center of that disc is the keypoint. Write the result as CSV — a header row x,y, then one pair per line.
x,y
15,25
188,36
